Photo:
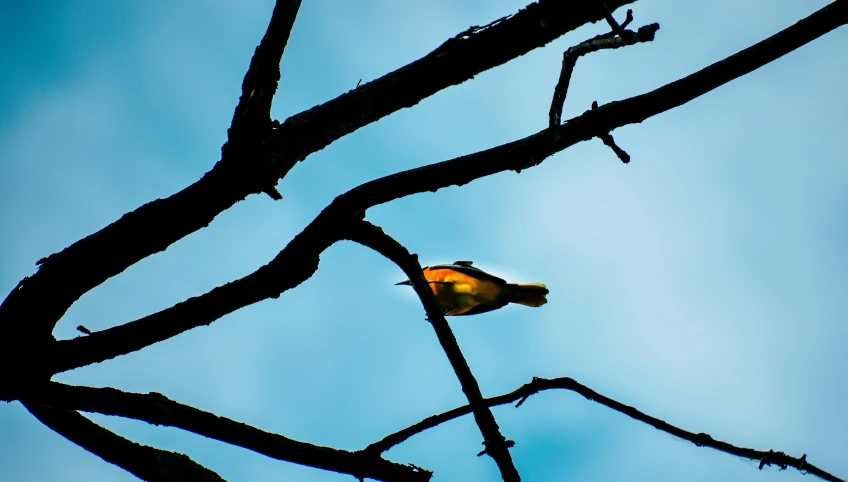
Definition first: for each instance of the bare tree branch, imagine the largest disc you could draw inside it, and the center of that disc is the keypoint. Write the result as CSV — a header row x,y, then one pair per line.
x,y
252,117
537,385
157,409
260,81
32,309
496,445
292,266
569,61
145,462
610,142
299,259
459,59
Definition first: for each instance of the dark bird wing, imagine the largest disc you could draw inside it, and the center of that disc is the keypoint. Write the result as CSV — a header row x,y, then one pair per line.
x,y
482,309
465,267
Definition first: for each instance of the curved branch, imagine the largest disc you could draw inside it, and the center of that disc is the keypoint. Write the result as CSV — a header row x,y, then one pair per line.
x,y
537,385
157,409
292,266
145,462
496,445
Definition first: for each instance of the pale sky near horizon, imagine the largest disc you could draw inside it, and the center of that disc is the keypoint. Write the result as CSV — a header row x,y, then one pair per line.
x,y
704,283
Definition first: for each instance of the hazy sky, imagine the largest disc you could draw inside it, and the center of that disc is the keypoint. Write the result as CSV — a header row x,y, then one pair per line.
x,y
704,283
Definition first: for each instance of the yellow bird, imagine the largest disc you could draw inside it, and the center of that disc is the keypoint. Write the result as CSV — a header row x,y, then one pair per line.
x,y
462,289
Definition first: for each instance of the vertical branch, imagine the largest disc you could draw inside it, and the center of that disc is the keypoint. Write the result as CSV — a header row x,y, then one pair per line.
x,y
251,125
495,443
260,81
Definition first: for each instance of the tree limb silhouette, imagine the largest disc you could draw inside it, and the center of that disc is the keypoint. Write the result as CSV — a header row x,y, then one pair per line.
x,y
155,408
607,40
537,385
145,462
496,445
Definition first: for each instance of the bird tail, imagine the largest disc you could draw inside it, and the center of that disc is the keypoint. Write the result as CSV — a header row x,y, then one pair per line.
x,y
529,294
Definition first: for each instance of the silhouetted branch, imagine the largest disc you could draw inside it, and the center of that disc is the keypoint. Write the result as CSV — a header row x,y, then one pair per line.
x,y
260,81
157,409
30,312
616,28
569,61
302,253
145,462
292,266
496,445
610,142
251,125
459,59
537,385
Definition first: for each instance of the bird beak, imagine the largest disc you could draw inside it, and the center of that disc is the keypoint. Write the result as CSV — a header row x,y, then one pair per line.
x,y
405,282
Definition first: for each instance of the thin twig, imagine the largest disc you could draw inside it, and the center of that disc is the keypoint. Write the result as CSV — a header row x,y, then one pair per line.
x,y
570,56
610,142
537,385
495,443
145,462
616,28
157,409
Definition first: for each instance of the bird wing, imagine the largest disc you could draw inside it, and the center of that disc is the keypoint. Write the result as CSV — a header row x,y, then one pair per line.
x,y
466,268
481,309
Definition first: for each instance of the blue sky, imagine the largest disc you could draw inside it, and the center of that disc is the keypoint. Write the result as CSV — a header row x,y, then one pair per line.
x,y
703,283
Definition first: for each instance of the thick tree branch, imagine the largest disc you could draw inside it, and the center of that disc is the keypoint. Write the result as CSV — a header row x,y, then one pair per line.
x,y
32,309
145,462
247,138
495,444
157,409
537,385
517,155
260,81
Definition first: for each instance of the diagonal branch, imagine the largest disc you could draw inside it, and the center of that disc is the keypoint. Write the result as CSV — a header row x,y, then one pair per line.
x,y
299,259
260,81
293,265
157,409
145,462
246,147
537,385
495,444
64,277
